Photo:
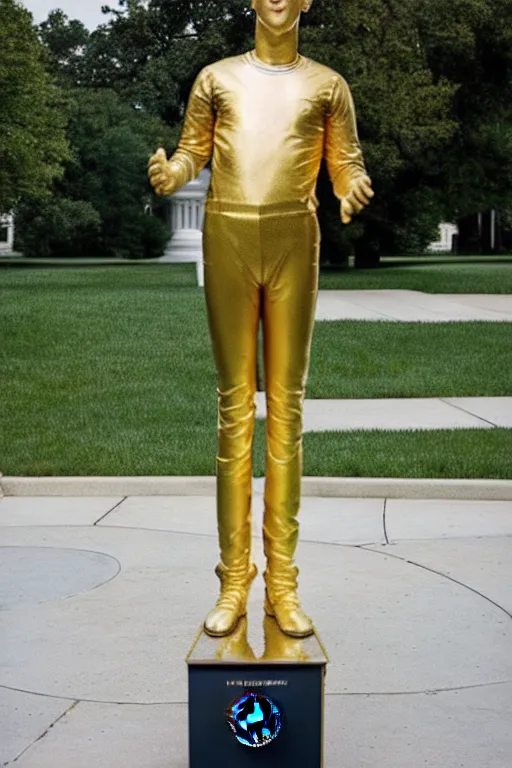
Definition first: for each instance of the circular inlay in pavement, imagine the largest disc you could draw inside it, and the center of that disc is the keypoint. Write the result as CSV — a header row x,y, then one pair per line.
x,y
38,574
387,625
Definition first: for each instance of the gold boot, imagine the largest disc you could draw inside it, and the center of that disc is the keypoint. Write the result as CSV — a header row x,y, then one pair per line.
x,y
232,603
281,647
282,602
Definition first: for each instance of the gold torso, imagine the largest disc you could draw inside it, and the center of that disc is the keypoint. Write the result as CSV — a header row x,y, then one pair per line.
x,y
267,129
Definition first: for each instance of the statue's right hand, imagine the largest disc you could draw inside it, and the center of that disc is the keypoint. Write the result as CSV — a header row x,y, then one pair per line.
x,y
160,174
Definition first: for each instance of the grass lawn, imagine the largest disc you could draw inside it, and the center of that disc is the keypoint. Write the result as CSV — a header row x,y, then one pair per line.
x,y
448,258
354,359
429,278
105,371
431,274
109,371
473,453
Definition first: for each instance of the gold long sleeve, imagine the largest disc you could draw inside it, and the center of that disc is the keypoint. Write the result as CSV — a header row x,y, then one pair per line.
x,y
267,130
196,142
342,148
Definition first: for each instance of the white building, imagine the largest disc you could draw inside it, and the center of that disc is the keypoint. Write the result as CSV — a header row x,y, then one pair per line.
x,y
445,243
185,219
6,234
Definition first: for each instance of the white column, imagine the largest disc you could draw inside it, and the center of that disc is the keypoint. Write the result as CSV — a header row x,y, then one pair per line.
x,y
187,214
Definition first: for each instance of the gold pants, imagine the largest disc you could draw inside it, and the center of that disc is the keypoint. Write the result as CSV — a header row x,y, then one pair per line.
x,y
260,263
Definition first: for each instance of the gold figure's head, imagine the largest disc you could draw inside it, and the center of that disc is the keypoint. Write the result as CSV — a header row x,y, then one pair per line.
x,y
280,16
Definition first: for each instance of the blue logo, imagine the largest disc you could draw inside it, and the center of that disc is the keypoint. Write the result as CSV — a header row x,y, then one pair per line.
x,y
254,719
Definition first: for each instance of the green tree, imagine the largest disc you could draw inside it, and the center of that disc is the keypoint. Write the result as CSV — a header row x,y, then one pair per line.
x,y
58,227
66,42
470,43
112,143
104,186
32,119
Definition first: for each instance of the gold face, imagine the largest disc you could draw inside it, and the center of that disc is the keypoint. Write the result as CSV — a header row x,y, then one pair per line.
x,y
280,16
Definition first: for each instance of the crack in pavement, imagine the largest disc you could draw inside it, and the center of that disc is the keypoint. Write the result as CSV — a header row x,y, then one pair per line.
x,y
180,703
387,553
116,506
426,692
45,733
385,521
470,413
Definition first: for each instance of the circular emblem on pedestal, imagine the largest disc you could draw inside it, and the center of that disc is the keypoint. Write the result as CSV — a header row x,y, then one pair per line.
x,y
254,719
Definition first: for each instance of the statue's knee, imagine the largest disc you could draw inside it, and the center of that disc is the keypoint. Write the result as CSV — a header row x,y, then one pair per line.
x,y
284,423
236,419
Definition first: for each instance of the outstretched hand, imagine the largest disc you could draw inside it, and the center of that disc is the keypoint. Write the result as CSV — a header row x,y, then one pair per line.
x,y
160,174
359,196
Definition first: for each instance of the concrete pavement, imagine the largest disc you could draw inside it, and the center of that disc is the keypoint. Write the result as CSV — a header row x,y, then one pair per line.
x,y
413,306
402,413
101,597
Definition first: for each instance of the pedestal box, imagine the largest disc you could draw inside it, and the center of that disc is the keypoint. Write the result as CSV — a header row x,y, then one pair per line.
x,y
290,673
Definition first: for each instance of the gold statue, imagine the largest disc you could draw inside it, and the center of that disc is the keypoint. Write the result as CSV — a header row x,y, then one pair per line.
x,y
266,118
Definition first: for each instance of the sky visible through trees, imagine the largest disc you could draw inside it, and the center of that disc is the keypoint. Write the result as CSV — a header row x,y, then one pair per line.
x,y
89,12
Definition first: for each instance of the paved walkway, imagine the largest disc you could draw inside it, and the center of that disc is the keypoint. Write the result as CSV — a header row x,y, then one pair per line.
x,y
101,599
413,306
402,414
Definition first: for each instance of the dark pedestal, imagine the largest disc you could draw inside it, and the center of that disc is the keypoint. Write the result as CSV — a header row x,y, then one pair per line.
x,y
290,672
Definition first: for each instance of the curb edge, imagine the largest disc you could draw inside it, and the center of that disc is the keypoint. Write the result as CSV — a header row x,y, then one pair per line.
x,y
343,487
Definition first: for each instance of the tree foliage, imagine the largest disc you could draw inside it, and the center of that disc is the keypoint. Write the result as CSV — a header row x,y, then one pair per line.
x,y
32,118
431,82
469,42
66,41
59,226
105,183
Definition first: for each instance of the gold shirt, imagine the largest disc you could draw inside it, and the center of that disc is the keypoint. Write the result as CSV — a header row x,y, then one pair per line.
x,y
268,128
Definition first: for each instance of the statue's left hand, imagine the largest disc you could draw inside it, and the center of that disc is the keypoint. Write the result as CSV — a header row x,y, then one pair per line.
x,y
358,197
